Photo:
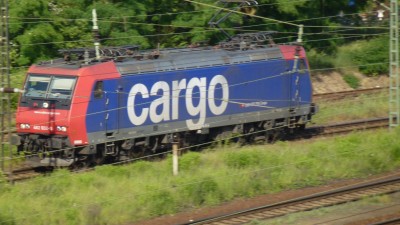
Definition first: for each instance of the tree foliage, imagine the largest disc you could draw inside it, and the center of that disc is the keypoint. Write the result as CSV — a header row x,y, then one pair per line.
x,y
39,28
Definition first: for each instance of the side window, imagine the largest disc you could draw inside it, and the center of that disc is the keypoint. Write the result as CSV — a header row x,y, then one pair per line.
x,y
98,89
302,66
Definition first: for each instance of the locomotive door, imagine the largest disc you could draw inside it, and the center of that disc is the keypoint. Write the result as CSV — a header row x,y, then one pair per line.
x,y
111,106
294,94
107,99
297,83
295,88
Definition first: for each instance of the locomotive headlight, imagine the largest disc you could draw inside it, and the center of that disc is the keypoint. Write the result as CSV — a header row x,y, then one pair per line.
x,y
45,105
24,126
62,128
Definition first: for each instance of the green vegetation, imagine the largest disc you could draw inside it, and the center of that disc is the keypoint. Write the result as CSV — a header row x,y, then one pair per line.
x,y
39,28
116,195
320,60
351,80
370,56
362,107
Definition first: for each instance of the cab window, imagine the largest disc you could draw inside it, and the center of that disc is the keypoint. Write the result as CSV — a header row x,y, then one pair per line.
x,y
302,66
47,86
36,86
62,87
98,89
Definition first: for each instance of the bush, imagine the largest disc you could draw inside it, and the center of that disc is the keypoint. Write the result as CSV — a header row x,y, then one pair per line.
x,y
189,161
352,80
162,202
242,159
202,192
370,56
319,60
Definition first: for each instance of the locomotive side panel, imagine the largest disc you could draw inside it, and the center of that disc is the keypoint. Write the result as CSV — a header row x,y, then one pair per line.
x,y
195,99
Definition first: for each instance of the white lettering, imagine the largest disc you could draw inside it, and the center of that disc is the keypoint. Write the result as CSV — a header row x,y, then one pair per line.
x,y
201,109
137,120
196,96
163,100
177,86
218,110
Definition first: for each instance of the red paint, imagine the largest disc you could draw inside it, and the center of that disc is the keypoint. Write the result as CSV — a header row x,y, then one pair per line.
x,y
288,51
45,121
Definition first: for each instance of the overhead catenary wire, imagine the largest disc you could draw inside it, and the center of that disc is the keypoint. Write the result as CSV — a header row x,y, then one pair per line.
x,y
49,19
157,35
214,29
206,30
282,43
361,35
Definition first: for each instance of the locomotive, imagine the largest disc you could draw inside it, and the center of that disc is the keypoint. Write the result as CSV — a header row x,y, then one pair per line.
x,y
120,103
82,110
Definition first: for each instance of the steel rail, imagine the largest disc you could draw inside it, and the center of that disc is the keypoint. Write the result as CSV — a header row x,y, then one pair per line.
x,y
319,200
334,96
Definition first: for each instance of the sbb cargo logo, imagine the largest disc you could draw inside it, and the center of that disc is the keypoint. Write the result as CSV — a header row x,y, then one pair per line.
x,y
170,109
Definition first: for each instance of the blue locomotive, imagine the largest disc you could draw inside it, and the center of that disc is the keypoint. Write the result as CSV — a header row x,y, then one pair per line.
x,y
130,103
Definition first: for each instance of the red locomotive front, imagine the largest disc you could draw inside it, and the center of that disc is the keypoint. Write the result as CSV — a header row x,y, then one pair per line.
x,y
50,118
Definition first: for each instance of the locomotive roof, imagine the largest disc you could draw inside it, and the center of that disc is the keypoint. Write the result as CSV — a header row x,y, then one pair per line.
x,y
178,59
129,60
195,58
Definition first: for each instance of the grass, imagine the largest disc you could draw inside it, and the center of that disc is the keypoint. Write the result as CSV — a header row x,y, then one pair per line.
x,y
115,195
362,107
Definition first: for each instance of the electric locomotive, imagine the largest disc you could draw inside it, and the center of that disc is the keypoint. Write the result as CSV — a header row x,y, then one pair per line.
x,y
84,110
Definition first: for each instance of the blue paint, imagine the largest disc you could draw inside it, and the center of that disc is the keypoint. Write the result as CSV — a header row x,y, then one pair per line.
x,y
254,86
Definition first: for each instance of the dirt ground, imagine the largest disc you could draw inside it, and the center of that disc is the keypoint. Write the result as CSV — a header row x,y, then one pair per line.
x,y
333,82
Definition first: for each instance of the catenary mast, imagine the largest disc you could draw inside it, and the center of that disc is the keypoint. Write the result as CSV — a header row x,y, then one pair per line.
x,y
5,109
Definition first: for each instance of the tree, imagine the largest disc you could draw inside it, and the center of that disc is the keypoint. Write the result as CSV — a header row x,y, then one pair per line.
x,y
168,23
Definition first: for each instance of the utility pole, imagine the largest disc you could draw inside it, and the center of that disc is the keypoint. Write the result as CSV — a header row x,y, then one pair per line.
x,y
394,95
394,99
5,111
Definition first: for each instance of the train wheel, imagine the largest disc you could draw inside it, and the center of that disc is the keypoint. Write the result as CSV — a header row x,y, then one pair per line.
x,y
273,135
79,165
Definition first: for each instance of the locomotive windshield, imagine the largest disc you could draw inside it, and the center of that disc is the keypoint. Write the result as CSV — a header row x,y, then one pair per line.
x,y
49,86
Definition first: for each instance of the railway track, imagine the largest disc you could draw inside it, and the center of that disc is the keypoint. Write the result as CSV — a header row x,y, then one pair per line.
x,y
22,173
392,221
340,128
334,96
334,197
